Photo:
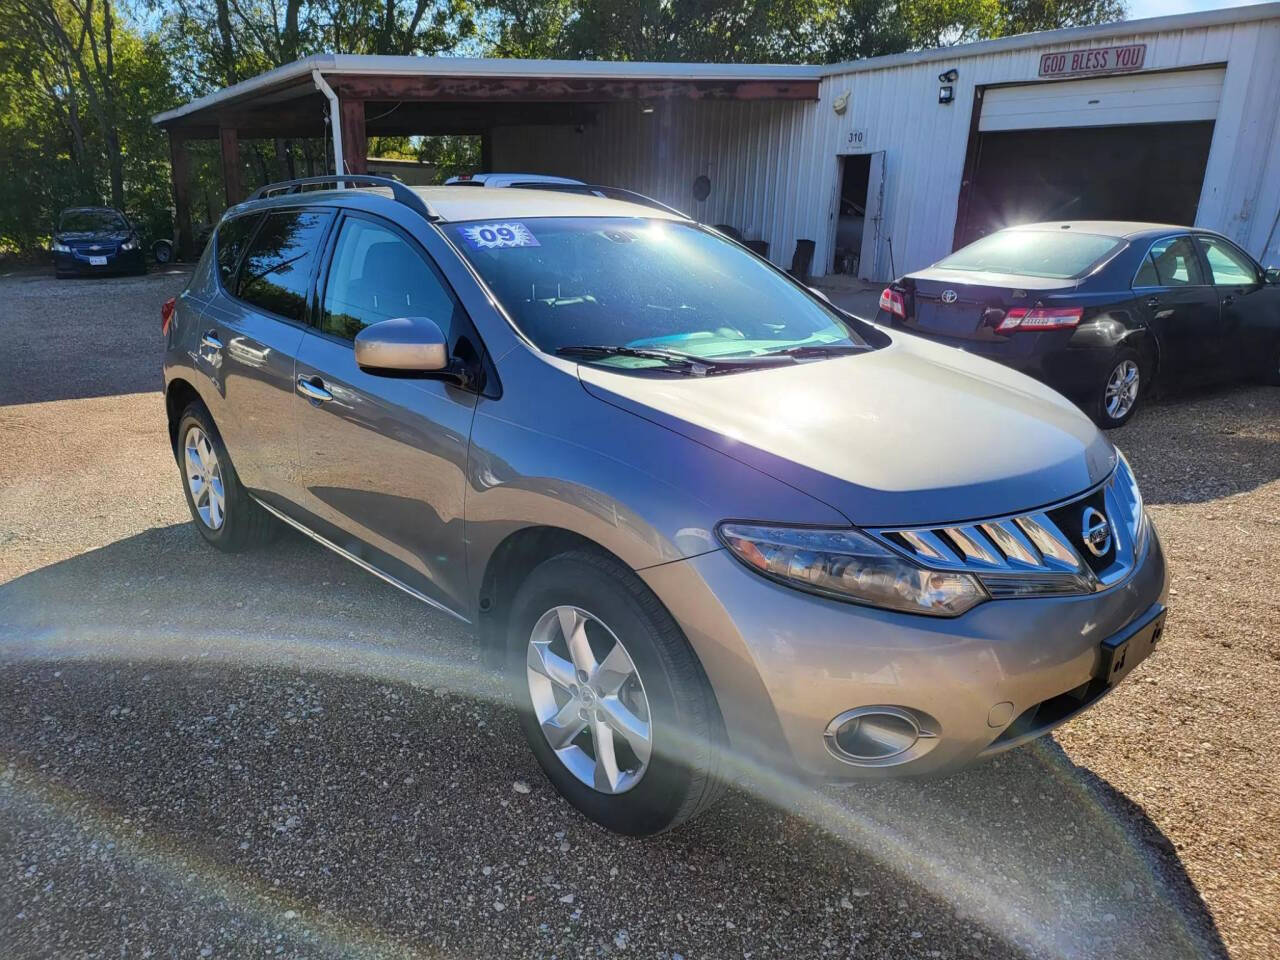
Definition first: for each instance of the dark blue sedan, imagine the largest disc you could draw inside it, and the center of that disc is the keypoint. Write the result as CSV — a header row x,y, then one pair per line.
x,y
1099,310
96,240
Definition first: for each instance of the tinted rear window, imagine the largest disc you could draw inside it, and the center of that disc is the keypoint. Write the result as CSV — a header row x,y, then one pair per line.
x,y
1055,254
232,236
276,274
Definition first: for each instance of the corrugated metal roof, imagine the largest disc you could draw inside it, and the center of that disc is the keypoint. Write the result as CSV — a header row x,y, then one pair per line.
x,y
491,67
300,70
1047,38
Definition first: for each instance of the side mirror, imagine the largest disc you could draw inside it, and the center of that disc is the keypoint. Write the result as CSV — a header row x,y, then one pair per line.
x,y
1273,275
402,345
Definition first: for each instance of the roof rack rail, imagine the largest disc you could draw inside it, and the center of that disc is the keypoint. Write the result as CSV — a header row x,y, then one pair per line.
x,y
611,193
399,191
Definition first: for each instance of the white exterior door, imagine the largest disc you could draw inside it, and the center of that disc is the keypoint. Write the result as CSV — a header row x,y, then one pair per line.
x,y
873,226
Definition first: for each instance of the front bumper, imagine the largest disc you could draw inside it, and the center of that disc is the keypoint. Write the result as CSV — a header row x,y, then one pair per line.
x,y
784,663
122,261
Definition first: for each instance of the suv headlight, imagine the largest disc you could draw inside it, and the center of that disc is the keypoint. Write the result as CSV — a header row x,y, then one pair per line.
x,y
60,248
849,565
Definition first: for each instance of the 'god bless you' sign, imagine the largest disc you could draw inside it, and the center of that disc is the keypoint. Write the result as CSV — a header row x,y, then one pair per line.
x,y
1073,63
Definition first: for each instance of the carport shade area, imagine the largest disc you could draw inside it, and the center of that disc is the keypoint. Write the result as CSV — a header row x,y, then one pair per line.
x,y
415,96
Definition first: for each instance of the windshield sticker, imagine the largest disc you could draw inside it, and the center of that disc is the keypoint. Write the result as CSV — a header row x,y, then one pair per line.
x,y
487,236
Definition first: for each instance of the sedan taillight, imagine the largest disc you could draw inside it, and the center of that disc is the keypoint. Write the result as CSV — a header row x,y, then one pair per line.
x,y
166,315
892,300
1039,318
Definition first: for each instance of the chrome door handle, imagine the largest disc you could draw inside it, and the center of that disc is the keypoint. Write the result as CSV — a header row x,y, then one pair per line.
x,y
1228,300
1153,301
312,390
211,341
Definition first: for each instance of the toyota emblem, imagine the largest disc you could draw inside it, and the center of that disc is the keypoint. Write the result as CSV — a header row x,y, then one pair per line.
x,y
949,296
1095,532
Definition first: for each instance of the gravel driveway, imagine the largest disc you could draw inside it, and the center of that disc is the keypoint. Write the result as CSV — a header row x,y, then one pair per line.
x,y
278,755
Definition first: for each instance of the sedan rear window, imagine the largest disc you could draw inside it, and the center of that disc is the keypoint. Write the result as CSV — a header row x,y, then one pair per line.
x,y
1054,254
639,284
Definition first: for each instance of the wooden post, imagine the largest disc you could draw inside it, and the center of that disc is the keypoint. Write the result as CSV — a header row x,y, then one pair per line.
x,y
486,151
230,143
355,142
180,174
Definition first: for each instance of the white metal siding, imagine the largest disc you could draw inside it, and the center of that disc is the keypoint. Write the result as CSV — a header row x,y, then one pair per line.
x,y
745,149
926,141
1105,101
774,167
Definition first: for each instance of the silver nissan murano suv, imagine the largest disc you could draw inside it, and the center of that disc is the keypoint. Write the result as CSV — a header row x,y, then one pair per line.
x,y
706,523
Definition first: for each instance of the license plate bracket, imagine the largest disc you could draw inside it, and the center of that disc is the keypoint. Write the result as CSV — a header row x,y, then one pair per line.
x,y
1124,651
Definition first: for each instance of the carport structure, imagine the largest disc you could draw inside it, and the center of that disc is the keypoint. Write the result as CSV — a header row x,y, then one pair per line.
x,y
348,98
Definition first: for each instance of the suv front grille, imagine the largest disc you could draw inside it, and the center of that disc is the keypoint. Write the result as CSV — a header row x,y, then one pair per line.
x,y
1043,552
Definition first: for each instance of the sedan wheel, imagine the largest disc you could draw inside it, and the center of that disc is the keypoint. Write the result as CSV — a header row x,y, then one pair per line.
x,y
588,699
1118,394
1122,389
204,479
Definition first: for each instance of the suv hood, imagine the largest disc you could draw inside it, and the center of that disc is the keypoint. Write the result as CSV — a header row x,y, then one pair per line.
x,y
912,433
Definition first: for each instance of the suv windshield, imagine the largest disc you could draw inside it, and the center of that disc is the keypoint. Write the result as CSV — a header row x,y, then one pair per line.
x,y
91,221
1054,254
632,286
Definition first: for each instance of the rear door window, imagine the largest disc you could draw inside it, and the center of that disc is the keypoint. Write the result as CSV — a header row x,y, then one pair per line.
x,y
277,268
231,240
1174,263
1229,266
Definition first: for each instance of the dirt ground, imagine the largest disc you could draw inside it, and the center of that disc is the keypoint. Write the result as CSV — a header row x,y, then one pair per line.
x,y
278,755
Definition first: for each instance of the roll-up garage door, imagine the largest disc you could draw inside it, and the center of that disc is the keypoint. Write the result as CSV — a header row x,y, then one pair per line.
x,y
1131,147
1179,96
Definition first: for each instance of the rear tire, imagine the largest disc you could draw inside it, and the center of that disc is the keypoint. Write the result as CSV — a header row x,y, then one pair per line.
x,y
660,783
221,508
1119,390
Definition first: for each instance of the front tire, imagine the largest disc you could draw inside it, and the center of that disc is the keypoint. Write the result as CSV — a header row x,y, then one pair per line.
x,y
611,697
1119,391
221,508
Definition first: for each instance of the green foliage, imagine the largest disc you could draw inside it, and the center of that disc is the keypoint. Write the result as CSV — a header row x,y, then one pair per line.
x,y
81,79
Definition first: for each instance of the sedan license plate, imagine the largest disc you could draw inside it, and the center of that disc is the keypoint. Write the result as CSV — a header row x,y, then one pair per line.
x,y
1123,652
97,261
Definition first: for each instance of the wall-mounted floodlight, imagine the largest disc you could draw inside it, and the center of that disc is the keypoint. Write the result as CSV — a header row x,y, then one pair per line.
x,y
950,76
946,93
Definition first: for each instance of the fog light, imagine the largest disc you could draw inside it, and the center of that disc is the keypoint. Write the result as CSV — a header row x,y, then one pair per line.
x,y
872,735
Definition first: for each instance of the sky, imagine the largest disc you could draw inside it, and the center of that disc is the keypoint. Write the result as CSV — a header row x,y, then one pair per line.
x,y
1139,9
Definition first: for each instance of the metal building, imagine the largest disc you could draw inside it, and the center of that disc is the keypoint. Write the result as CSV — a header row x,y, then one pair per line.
x,y
884,164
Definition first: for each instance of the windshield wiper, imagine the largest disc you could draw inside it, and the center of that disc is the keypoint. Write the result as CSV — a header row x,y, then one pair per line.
x,y
697,366
808,351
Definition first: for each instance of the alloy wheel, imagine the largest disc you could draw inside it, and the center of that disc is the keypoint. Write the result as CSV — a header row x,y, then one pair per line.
x,y
588,699
1122,389
204,479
